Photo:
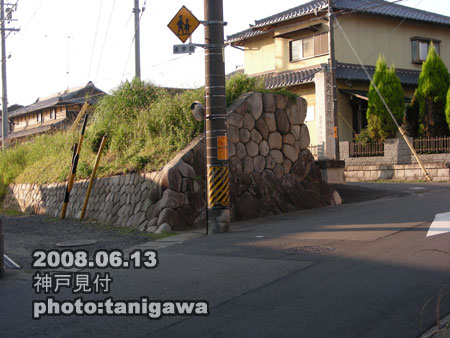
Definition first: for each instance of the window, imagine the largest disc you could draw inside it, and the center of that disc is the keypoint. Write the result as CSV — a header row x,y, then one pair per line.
x,y
419,48
39,117
308,47
53,114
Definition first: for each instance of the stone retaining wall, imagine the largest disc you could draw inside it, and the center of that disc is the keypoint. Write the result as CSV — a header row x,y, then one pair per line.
x,y
397,163
271,171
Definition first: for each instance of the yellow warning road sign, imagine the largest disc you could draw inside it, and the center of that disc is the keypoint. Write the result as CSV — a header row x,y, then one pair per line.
x,y
183,24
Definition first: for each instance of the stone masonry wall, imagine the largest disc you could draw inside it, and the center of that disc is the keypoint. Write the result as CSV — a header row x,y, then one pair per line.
x,y
271,171
398,163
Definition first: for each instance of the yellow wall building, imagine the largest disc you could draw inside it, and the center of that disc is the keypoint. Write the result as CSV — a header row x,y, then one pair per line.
x,y
292,49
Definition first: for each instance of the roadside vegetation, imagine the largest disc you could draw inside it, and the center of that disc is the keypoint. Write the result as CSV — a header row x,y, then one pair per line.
x,y
428,114
145,125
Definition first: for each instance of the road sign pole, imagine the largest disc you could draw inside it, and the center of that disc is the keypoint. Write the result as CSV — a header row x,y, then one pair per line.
x,y
217,169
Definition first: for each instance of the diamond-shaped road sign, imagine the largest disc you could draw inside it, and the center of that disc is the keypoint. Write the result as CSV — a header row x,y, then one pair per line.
x,y
183,24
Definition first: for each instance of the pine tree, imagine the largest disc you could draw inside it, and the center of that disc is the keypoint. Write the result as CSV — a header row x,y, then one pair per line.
x,y
380,123
431,93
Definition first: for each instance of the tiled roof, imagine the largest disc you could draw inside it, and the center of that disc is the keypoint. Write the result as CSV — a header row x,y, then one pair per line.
x,y
36,130
71,97
345,71
288,79
377,7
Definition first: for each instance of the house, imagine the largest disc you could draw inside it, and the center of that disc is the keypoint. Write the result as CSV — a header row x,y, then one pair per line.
x,y
10,109
51,113
300,50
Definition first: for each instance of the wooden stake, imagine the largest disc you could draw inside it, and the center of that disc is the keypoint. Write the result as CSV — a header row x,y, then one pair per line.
x,y
79,116
73,170
91,180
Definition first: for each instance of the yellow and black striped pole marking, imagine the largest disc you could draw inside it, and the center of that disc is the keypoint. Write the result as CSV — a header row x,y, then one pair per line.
x,y
73,169
218,186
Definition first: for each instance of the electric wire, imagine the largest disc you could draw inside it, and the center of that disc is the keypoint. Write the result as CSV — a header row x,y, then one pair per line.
x,y
382,99
95,40
104,41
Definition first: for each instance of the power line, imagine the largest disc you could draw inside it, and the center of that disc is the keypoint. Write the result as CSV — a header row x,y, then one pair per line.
x,y
104,41
95,39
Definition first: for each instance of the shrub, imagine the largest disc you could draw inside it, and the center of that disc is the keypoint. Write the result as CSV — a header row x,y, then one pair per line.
x,y
380,123
431,93
412,124
447,107
240,84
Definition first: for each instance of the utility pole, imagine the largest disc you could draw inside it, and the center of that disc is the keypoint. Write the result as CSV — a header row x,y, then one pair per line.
x,y
217,168
4,88
137,44
332,64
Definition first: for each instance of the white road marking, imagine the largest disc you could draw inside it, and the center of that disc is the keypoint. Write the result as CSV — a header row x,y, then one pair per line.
x,y
9,263
440,225
416,188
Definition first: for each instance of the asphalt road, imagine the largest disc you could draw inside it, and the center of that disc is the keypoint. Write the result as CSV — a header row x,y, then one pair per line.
x,y
362,269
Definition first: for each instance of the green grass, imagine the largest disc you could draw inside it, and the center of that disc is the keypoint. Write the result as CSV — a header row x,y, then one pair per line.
x,y
145,127
10,212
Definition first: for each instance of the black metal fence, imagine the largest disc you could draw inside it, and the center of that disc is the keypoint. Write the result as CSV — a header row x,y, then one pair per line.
x,y
366,149
432,145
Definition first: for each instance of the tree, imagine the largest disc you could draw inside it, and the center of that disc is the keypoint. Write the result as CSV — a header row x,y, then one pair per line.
x,y
431,93
447,107
412,124
380,123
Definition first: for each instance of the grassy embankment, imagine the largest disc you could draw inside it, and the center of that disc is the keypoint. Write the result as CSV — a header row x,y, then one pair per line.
x,y
146,126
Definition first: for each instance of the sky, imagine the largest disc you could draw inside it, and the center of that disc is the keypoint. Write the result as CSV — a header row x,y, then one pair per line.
x,y
66,43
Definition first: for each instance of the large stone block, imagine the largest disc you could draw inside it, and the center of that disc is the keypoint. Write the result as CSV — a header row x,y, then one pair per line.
x,y
296,111
277,156
235,119
256,136
196,200
304,137
290,152
269,102
281,101
289,139
247,164
259,163
240,151
264,148
233,134
271,122
300,169
283,125
275,140
171,199
249,122
261,126
173,218
244,135
252,148
185,169
255,105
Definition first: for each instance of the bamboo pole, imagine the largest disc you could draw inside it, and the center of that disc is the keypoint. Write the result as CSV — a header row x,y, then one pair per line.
x,y
73,170
79,116
91,180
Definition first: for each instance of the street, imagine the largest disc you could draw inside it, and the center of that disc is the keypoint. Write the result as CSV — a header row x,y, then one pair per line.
x,y
361,269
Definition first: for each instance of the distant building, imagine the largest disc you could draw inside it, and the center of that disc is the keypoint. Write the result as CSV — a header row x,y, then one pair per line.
x,y
51,113
291,50
10,109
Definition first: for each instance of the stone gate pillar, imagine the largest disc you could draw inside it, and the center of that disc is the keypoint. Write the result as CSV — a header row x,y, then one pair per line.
x,y
325,116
